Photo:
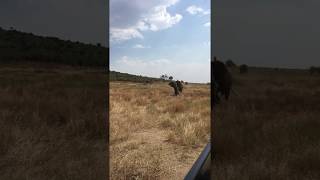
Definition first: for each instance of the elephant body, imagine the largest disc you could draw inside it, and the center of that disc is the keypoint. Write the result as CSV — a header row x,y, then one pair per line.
x,y
177,87
174,85
222,80
180,86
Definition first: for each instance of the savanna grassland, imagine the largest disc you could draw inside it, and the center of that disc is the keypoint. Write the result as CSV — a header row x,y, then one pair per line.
x,y
271,130
53,122
154,135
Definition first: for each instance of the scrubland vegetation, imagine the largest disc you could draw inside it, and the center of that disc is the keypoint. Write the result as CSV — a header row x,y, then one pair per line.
x,y
271,130
154,135
53,122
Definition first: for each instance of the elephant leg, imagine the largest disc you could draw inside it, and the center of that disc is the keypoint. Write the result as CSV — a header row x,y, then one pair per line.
x,y
176,90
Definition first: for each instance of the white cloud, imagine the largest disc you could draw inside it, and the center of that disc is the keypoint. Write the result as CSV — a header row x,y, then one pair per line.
x,y
208,24
140,46
142,26
119,35
159,19
194,10
170,2
187,71
131,17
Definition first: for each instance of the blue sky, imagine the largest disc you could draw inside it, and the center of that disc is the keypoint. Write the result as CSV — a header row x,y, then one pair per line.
x,y
154,37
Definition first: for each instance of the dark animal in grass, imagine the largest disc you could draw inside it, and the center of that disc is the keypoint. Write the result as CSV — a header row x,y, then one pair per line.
x,y
314,70
180,86
243,69
174,85
222,80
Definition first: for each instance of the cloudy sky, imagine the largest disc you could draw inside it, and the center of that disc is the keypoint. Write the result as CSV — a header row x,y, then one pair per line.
x,y
76,20
274,33
154,37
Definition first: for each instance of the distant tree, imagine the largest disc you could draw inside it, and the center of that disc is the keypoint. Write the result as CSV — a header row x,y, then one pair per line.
x,y
98,44
164,77
243,69
230,63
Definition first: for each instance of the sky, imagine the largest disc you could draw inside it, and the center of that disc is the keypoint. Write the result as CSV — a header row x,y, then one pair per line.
x,y
155,37
77,20
273,33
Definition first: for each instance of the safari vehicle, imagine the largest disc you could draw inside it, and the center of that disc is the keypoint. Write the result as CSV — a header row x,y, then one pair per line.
x,y
201,168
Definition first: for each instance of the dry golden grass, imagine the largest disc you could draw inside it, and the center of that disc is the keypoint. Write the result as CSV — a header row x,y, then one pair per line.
x,y
154,135
270,131
53,123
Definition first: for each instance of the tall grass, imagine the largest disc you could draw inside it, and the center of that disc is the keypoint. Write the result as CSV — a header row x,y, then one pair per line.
x,y
154,135
53,123
270,131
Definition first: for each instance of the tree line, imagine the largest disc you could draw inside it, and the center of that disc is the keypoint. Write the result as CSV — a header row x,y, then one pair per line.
x,y
118,76
243,68
16,46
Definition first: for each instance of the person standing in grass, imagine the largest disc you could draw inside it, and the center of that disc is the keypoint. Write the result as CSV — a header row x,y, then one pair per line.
x,y
174,85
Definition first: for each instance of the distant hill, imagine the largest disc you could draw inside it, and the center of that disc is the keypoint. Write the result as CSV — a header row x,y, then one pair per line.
x,y
16,46
118,76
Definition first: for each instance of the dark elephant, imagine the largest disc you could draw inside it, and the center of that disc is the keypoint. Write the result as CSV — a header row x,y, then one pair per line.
x,y
174,85
177,87
180,86
222,80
